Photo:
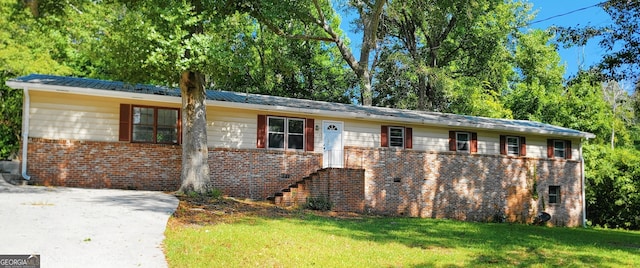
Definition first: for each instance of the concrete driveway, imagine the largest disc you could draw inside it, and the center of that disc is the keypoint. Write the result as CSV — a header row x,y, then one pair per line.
x,y
71,227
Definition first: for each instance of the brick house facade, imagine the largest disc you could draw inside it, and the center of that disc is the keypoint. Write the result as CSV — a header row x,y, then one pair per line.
x,y
82,133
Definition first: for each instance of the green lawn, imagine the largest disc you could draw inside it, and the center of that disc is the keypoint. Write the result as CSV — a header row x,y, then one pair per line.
x,y
307,240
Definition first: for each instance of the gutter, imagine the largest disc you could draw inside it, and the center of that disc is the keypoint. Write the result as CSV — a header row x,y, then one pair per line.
x,y
25,131
584,199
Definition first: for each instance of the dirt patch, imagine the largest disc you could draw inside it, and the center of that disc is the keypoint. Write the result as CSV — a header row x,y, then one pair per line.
x,y
207,211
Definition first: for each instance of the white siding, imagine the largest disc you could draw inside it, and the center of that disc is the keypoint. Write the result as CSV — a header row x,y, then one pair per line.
x,y
231,128
67,116
76,117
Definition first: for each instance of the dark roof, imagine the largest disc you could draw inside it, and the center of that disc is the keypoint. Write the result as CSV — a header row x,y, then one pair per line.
x,y
264,100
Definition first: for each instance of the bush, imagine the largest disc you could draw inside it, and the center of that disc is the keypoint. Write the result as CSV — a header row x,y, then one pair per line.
x,y
318,203
613,186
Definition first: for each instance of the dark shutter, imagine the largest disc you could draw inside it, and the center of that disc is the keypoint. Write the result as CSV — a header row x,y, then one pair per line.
x,y
124,133
384,136
308,134
262,131
408,138
474,142
503,144
523,146
452,141
550,148
567,149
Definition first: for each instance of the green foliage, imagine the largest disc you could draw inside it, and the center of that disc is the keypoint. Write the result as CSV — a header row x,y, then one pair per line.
x,y
27,45
318,203
537,94
613,186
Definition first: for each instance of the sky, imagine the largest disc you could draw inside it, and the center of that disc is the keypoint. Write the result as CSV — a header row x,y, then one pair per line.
x,y
594,16
573,57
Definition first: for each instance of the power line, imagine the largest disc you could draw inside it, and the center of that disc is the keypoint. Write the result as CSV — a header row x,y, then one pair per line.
x,y
567,13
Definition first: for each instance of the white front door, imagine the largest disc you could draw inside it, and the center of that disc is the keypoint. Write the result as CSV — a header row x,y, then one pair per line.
x,y
332,143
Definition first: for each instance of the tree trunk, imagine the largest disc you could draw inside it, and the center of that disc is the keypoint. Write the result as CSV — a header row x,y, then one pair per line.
x,y
195,153
366,94
422,91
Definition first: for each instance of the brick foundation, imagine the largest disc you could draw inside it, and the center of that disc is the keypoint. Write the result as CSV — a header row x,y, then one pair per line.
x,y
259,173
396,182
467,187
251,173
104,164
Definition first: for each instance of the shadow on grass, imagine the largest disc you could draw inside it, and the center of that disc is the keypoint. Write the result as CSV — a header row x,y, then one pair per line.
x,y
491,244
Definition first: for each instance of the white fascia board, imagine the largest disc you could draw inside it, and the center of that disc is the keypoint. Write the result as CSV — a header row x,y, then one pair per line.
x,y
94,92
285,109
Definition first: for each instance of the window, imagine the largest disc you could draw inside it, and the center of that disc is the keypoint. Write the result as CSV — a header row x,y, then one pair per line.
x,y
461,141
285,133
554,194
396,137
154,125
399,137
559,149
513,145
148,124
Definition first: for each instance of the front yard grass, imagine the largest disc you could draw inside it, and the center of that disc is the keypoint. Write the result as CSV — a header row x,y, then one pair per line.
x,y
228,233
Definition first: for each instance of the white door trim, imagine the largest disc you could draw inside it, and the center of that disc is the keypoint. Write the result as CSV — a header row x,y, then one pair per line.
x,y
332,150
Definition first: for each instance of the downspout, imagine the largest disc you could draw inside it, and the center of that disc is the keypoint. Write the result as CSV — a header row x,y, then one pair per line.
x,y
584,203
25,132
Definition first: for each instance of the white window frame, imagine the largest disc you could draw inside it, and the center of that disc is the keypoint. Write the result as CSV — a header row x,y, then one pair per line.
x,y
286,133
509,146
402,138
557,151
468,142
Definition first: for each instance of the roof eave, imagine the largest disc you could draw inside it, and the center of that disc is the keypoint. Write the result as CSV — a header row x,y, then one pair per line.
x,y
93,92
277,108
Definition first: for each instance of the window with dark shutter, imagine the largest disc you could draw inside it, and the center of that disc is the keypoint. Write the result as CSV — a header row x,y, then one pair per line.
x,y
559,149
398,137
462,141
149,124
285,133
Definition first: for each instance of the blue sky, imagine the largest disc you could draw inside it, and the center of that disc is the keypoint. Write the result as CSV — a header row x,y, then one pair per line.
x,y
594,16
571,57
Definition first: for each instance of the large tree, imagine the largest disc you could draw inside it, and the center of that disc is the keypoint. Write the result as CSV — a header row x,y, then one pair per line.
x,y
283,17
435,44
167,42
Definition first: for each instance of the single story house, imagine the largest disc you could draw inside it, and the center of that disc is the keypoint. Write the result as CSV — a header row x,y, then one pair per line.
x,y
103,134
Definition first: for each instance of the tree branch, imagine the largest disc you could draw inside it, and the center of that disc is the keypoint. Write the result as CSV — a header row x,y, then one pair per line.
x,y
280,32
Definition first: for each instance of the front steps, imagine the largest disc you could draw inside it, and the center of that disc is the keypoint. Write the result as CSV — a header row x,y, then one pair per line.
x,y
295,194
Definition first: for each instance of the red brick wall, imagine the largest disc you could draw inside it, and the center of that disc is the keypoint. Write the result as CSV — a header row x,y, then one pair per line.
x,y
104,164
398,182
253,173
466,187
259,173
